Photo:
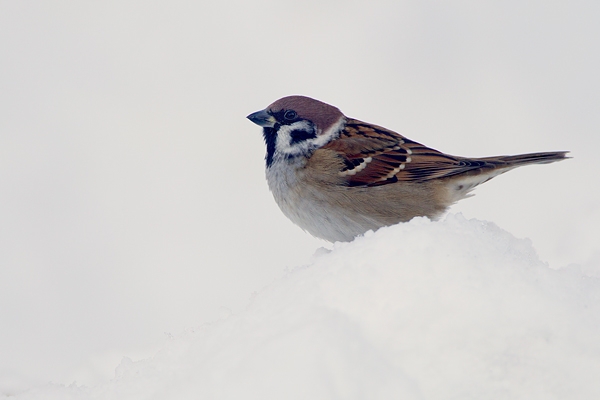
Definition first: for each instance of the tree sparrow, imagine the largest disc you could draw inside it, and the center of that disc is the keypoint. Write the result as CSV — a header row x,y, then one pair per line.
x,y
337,177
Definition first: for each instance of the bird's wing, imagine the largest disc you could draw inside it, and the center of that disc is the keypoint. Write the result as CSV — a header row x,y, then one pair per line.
x,y
375,156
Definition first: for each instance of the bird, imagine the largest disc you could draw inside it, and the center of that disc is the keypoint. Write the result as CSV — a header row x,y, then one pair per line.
x,y
337,177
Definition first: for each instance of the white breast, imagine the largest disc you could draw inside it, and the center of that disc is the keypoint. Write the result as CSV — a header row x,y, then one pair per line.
x,y
310,208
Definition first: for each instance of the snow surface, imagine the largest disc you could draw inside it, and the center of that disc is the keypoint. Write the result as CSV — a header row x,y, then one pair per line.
x,y
457,309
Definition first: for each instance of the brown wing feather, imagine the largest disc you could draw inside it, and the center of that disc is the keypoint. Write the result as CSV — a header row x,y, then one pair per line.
x,y
377,156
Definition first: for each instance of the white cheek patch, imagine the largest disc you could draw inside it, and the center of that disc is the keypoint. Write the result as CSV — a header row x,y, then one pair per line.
x,y
286,147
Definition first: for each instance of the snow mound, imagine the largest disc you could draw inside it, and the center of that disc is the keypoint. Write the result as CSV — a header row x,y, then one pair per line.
x,y
457,309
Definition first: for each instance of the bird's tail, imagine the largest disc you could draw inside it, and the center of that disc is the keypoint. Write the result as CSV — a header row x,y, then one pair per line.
x,y
524,159
461,185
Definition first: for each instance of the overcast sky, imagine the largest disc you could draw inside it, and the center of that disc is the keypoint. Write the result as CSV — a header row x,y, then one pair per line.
x,y
132,192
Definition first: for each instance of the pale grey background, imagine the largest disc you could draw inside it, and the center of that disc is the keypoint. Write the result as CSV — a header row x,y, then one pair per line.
x,y
132,191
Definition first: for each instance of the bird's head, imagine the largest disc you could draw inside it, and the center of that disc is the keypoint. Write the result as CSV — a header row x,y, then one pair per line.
x,y
297,125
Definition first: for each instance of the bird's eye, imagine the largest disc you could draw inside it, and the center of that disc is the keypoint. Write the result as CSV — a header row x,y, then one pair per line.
x,y
290,115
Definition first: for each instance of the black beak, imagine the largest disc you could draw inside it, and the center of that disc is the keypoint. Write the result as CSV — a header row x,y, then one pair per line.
x,y
262,118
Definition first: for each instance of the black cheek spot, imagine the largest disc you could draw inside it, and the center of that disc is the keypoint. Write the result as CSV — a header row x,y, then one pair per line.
x,y
300,136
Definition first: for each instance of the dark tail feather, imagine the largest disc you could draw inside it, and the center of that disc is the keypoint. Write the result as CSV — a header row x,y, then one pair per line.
x,y
531,158
490,167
